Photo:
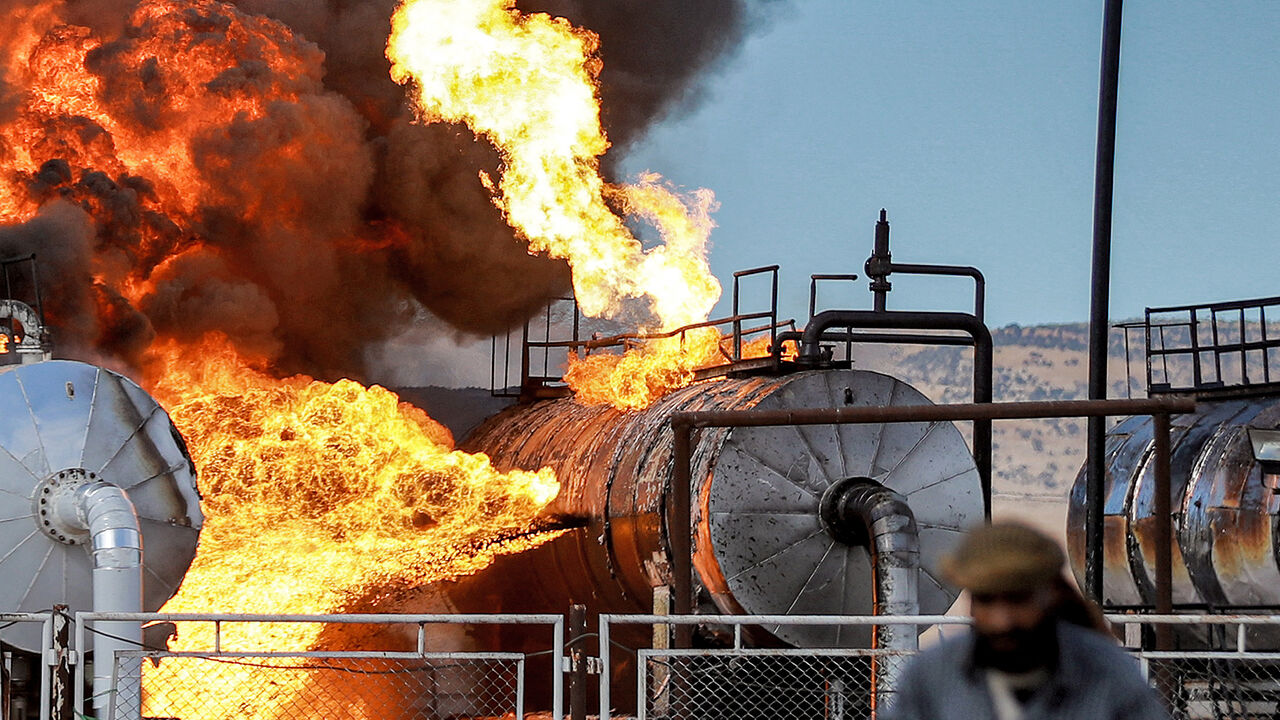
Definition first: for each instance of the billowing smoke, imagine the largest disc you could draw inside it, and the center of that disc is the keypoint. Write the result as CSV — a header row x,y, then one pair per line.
x,y
309,218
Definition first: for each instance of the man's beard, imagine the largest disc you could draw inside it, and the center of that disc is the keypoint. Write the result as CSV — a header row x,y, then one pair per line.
x,y
1019,651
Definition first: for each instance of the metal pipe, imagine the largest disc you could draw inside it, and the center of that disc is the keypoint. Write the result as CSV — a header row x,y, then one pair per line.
x,y
682,425
1103,180
979,280
107,513
983,361
892,338
679,521
860,511
879,265
577,662
934,413
813,287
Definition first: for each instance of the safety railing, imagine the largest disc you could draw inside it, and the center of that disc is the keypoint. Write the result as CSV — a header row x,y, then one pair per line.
x,y
33,628
220,680
740,681
1228,666
1209,348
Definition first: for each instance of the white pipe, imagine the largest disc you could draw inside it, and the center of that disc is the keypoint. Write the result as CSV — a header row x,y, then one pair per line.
x,y
108,514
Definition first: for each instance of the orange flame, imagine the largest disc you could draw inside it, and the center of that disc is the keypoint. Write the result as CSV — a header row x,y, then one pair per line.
x,y
315,493
527,83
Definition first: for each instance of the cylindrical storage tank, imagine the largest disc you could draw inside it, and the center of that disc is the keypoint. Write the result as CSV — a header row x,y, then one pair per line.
x,y
760,544
1224,505
64,426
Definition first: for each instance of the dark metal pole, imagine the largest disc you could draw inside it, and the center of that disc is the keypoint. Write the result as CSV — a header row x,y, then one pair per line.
x,y
1164,532
679,528
577,662
878,266
1104,175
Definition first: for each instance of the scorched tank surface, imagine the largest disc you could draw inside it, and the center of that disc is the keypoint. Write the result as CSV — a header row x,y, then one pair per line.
x,y
762,542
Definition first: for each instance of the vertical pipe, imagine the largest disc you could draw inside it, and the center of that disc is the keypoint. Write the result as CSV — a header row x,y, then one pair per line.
x,y
68,686
46,676
678,529
526,390
773,316
520,690
557,670
577,662
737,323
877,267
1164,531
983,392
1104,176
35,287
605,665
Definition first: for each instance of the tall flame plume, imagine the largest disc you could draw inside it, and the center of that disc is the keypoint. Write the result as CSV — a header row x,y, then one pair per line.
x,y
528,84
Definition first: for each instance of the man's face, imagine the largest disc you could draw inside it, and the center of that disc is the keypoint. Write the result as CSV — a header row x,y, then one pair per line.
x,y
1012,625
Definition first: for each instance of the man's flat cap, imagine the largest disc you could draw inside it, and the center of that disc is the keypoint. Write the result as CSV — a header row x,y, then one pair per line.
x,y
1004,557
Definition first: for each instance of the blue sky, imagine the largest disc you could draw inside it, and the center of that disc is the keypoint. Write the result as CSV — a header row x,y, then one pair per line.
x,y
974,124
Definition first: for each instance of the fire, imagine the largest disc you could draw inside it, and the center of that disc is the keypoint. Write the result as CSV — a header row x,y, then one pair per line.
x,y
315,493
196,156
527,83
635,379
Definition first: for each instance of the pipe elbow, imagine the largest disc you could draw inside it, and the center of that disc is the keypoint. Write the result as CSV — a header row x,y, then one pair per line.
x,y
106,511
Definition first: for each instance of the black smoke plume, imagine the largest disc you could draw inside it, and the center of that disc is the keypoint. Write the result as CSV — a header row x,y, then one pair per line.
x,y
325,225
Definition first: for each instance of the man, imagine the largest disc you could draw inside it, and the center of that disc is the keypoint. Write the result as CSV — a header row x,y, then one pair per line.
x,y
1037,649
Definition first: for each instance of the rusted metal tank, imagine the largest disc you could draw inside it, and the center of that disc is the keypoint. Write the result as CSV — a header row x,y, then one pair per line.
x,y
1224,501
761,542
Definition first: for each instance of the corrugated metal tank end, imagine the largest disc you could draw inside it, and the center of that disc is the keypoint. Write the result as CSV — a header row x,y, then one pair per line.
x,y
759,544
1224,502
66,426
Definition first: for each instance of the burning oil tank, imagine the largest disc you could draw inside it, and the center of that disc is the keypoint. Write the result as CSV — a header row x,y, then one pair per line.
x,y
1225,503
786,520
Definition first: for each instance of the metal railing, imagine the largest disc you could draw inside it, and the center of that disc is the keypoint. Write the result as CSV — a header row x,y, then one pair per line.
x,y
551,352
219,681
1216,674
1210,348
1227,666
1219,674
740,681
48,660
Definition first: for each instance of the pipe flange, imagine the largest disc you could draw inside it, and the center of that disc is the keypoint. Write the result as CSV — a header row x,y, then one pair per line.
x,y
834,516
53,505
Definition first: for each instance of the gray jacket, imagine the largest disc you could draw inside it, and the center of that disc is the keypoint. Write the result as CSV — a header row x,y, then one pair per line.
x,y
1095,680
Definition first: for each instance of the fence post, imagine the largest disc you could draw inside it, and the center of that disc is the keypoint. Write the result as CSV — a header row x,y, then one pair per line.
x,y
577,662
661,641
63,687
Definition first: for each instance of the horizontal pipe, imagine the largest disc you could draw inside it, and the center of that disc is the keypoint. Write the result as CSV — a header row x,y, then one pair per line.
x,y
934,413
757,271
615,619
346,618
889,320
979,281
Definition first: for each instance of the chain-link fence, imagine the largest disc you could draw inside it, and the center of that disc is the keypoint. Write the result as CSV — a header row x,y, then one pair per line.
x,y
744,682
1224,677
1229,668
777,684
1208,686
220,679
231,686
